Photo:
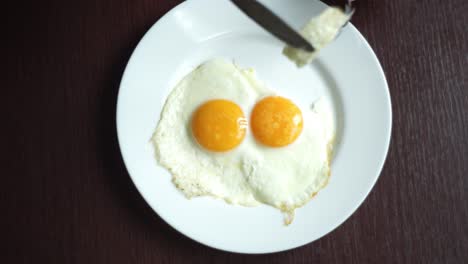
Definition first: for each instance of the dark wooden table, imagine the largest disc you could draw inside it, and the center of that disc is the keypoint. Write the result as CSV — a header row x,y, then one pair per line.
x,y
66,196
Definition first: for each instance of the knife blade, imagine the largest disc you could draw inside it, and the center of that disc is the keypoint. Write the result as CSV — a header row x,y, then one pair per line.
x,y
273,24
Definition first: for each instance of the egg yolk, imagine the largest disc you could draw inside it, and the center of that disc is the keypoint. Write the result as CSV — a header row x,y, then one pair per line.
x,y
276,121
219,125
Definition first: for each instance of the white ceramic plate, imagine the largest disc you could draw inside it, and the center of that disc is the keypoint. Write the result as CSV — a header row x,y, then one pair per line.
x,y
347,73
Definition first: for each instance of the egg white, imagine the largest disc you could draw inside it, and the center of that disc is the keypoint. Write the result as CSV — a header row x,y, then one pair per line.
x,y
251,174
319,31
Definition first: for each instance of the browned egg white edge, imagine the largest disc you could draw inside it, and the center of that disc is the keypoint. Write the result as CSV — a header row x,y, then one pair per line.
x,y
287,211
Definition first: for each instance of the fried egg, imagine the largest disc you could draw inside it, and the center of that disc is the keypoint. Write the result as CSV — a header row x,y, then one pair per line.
x,y
223,133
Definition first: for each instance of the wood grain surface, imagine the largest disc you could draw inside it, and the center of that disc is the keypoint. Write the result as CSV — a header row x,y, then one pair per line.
x,y
66,196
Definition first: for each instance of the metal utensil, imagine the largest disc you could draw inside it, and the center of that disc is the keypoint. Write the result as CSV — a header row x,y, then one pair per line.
x,y
273,24
276,26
